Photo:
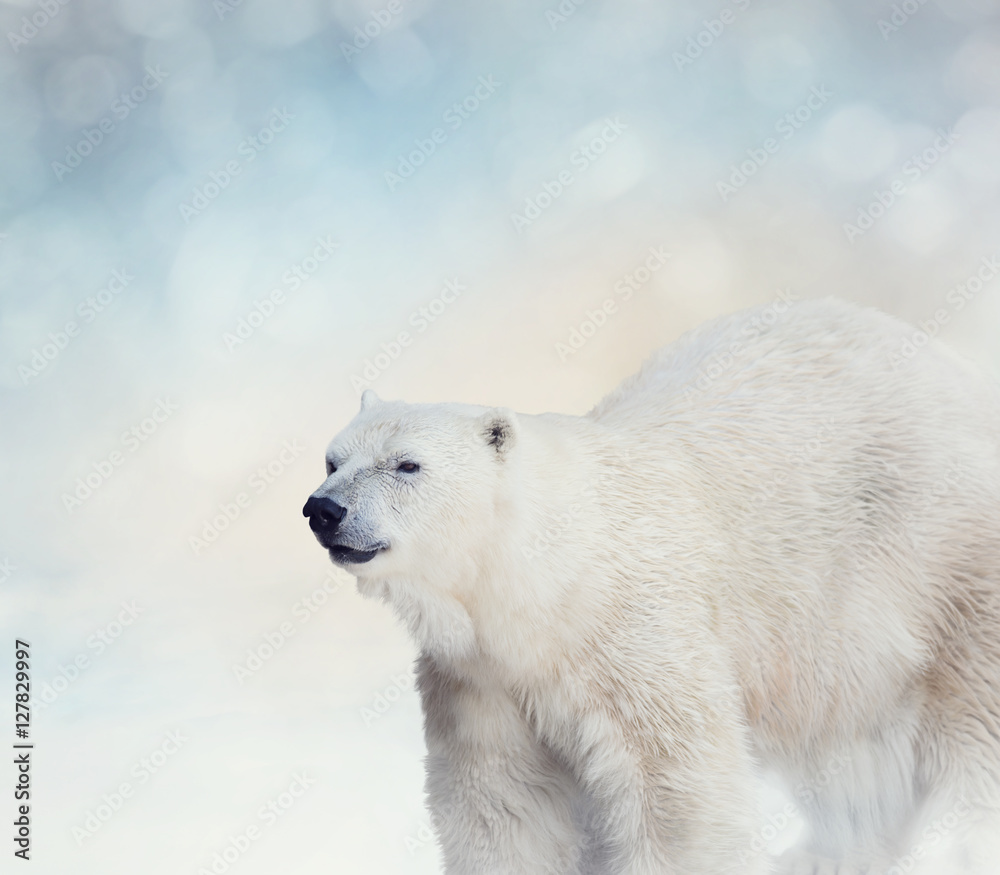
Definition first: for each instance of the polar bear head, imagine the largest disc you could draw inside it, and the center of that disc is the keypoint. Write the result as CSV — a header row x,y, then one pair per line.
x,y
411,491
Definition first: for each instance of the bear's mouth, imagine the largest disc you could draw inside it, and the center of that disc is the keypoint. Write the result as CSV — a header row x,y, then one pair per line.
x,y
343,553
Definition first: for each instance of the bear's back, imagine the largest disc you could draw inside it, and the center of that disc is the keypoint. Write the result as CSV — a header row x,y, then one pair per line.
x,y
844,492
762,386
827,347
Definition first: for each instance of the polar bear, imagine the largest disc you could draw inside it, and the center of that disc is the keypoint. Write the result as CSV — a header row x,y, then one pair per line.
x,y
774,548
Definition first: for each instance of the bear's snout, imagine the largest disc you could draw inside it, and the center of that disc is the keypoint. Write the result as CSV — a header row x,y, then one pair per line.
x,y
324,514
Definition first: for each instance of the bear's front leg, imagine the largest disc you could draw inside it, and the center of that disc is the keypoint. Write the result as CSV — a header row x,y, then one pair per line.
x,y
675,791
501,804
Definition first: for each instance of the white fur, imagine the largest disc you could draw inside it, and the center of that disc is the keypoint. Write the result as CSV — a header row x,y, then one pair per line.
x,y
769,549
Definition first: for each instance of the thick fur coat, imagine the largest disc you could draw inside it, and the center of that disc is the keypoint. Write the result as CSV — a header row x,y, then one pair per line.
x,y
775,548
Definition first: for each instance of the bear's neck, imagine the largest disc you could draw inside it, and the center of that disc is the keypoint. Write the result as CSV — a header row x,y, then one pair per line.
x,y
541,582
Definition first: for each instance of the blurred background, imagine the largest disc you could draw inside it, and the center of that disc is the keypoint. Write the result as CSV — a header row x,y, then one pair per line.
x,y
216,220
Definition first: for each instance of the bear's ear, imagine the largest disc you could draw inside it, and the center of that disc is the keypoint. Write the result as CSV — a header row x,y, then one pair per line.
x,y
369,399
499,429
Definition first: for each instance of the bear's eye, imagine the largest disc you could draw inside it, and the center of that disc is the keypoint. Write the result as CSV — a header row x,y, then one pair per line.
x,y
408,467
330,468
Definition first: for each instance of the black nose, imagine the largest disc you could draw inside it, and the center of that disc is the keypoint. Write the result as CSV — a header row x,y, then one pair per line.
x,y
324,514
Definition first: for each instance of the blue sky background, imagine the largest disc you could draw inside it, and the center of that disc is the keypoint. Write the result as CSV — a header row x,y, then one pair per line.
x,y
663,126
